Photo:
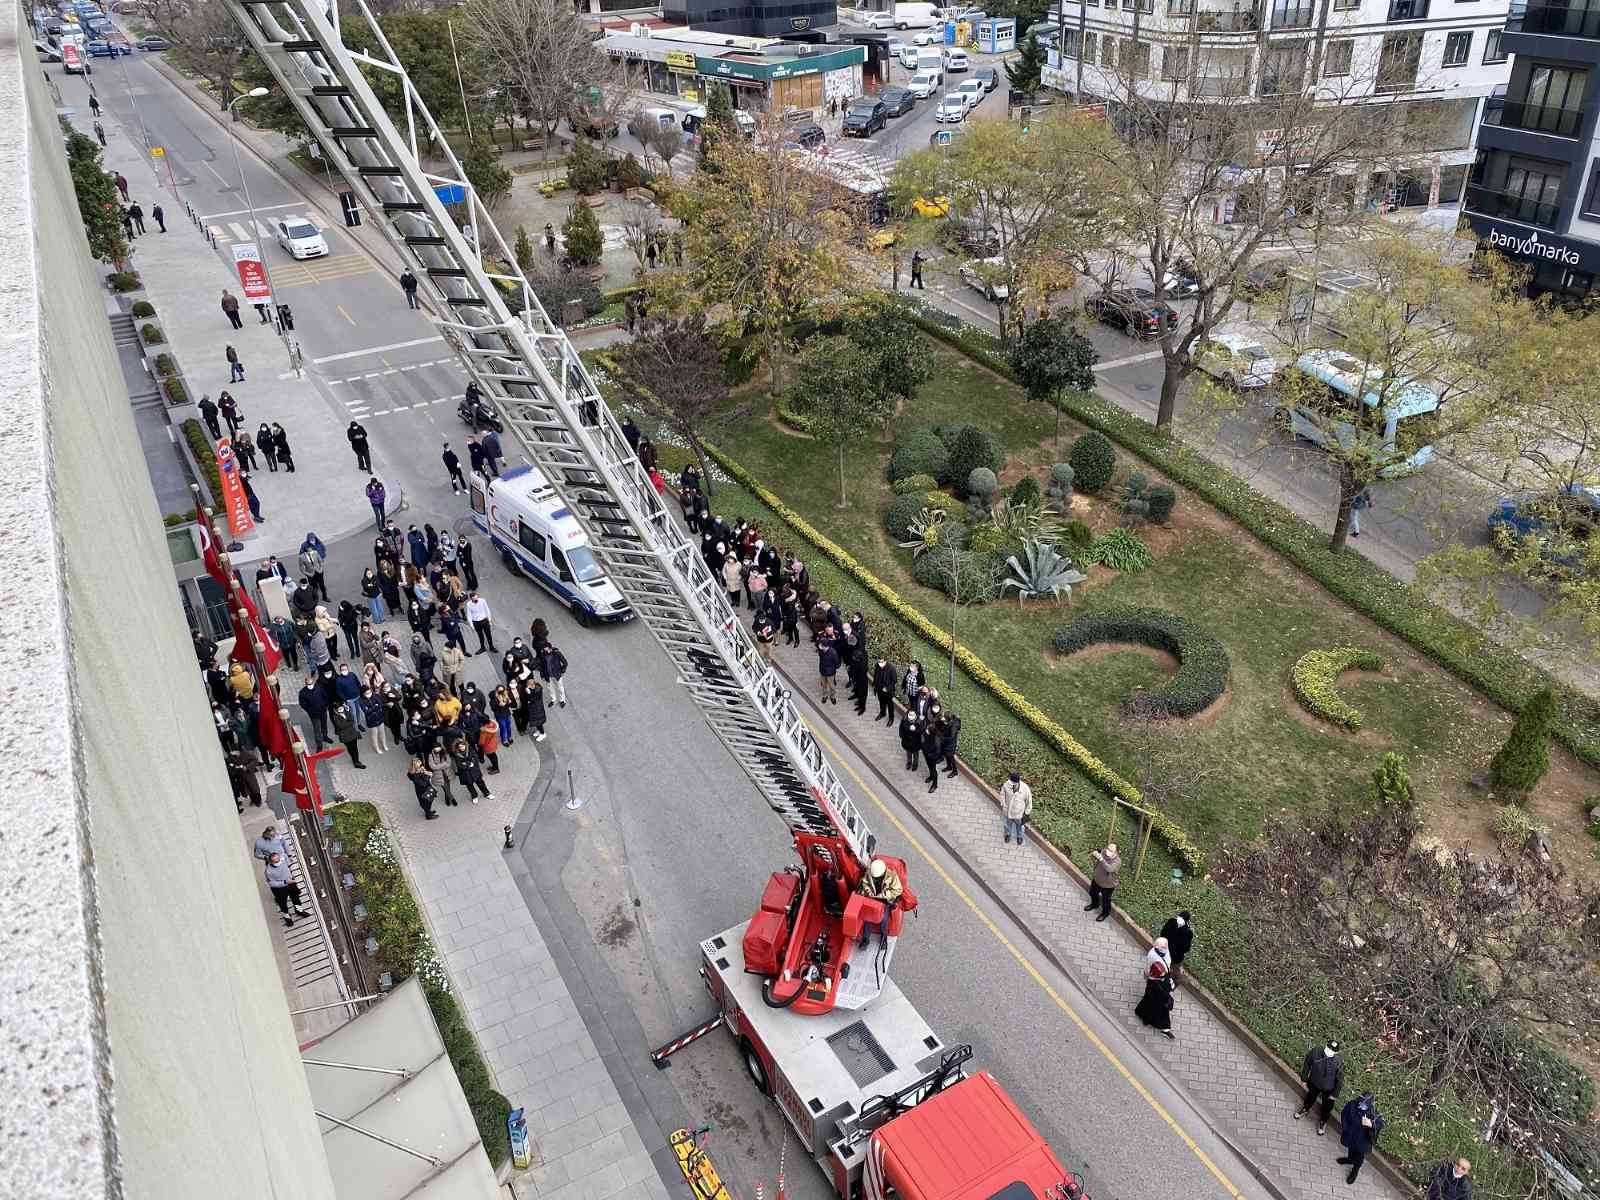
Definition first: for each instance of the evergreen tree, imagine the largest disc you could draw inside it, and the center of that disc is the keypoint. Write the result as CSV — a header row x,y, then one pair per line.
x,y
1525,757
1050,357
97,200
581,233
1391,784
489,179
719,123
1026,70
524,251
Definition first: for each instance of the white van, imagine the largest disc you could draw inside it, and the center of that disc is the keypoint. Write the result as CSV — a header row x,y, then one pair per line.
x,y
925,83
929,58
537,536
664,118
955,60
916,16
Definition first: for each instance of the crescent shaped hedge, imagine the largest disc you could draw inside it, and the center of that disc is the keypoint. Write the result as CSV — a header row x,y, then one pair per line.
x,y
1203,664
1315,678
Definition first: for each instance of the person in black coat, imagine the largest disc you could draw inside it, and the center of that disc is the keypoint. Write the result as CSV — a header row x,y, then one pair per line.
x,y
1449,1181
856,666
1360,1125
789,611
1179,932
469,573
1323,1074
356,435
932,747
910,738
350,622
827,669
204,649
314,703
1155,1006
464,758
884,681
949,739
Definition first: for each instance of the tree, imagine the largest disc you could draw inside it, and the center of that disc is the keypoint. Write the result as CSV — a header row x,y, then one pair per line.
x,y
838,408
641,225
204,37
900,364
968,577
581,235
1051,357
674,368
1023,72
1450,951
1525,757
481,165
719,124
523,252
765,240
98,205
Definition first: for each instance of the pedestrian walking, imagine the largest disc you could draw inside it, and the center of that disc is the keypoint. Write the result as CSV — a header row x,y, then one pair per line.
x,y
479,616
950,739
550,239
94,109
261,311
910,738
285,891
1360,1124
1449,1181
250,497
268,446
377,496
208,413
230,308
280,441
312,565
884,681
122,184
649,252
439,774
490,442
242,779
1323,1074
1359,505
229,408
137,213
1179,932
1016,806
1155,1006
469,771
356,434
452,466
100,132
127,223
159,217
552,666
235,367
422,784
1107,874
408,285
677,247
917,259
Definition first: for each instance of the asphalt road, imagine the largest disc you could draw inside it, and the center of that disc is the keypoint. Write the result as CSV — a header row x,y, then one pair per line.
x,y
672,844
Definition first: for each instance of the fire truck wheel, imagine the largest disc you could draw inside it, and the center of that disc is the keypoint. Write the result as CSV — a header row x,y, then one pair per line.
x,y
752,1065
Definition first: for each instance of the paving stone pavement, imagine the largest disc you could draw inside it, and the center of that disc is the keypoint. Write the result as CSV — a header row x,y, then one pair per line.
x,y
532,1035
1248,1104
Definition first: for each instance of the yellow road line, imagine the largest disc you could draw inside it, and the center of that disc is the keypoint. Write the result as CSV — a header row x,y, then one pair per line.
x,y
1022,961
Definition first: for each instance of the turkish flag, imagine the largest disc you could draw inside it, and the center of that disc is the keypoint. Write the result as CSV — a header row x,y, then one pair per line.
x,y
269,729
248,627
208,551
294,784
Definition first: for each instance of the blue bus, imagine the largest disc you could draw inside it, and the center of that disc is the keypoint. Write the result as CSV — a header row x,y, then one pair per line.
x,y
1402,419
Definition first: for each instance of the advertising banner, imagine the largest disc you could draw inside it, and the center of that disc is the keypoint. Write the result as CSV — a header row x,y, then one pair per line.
x,y
252,275
233,498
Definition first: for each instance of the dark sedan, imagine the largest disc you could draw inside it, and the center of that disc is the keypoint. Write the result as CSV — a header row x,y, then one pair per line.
x,y
990,77
1135,311
897,101
864,118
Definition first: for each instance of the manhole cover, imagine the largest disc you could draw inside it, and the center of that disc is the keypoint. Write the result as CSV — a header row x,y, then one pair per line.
x,y
1144,387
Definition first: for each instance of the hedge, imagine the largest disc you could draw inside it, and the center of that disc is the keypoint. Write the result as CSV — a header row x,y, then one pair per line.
x,y
176,392
124,281
1202,661
405,948
1499,673
142,309
1316,674
918,452
200,447
902,511
913,483
152,336
791,416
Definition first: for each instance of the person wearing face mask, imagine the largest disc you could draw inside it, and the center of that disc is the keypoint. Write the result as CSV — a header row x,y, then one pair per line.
x,y
285,891
347,687
344,728
1450,1182
377,731
1323,1074
884,681
1179,932
1360,1124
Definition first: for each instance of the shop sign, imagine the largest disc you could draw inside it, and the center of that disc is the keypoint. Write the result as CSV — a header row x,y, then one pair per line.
x,y
1533,245
682,60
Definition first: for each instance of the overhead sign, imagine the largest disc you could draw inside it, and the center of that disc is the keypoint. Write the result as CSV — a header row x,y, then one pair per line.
x,y
252,274
782,68
682,60
233,497
1534,245
450,193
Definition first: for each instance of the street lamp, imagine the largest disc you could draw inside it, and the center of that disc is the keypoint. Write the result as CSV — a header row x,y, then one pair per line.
x,y
255,231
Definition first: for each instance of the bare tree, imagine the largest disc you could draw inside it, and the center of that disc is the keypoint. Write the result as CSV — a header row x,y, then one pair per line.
x,y
641,225
674,368
204,37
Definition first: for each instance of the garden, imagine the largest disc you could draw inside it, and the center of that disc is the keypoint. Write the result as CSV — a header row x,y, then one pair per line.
x,y
1118,634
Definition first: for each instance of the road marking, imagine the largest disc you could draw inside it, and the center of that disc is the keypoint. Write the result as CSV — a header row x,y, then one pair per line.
x,y
390,371
372,374
412,367
327,358
444,399
1128,361
343,314
245,212
1022,960
225,184
380,412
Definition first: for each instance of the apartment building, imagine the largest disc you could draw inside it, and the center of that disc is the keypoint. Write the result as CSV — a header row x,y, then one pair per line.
x,y
1447,55
1534,189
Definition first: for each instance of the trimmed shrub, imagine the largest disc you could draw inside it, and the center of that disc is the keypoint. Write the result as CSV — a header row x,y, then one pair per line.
x,y
913,483
164,365
1315,680
991,539
919,452
973,578
629,173
788,414
972,448
176,393
142,309
1525,757
1093,461
1202,661
206,457
1078,533
1161,500
1026,491
901,512
124,281
1513,825
1121,551
955,533
981,484
151,335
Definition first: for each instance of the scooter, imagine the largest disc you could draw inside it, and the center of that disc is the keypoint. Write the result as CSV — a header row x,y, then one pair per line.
x,y
478,415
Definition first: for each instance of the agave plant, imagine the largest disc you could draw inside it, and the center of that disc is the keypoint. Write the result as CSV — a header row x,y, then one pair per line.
x,y
1041,572
924,532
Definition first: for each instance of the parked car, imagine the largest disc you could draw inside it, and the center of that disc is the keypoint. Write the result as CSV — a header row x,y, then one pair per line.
x,y
1262,278
1135,311
980,274
300,238
1561,524
1237,359
972,89
990,77
897,101
970,235
153,43
955,60
929,37
806,134
593,124
924,83
952,108
931,206
865,117
879,20
1181,281
100,48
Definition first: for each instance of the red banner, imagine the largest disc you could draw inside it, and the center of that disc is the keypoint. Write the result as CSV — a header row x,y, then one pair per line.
x,y
252,275
269,725
233,497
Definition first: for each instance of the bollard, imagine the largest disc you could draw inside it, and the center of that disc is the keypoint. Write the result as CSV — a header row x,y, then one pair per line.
x,y
509,845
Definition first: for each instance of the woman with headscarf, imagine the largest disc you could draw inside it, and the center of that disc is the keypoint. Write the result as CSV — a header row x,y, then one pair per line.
x,y
1155,1007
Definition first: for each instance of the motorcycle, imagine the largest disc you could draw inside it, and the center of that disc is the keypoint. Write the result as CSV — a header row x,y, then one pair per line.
x,y
479,416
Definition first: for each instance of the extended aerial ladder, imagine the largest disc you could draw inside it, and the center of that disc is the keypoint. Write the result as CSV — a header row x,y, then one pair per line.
x,y
524,365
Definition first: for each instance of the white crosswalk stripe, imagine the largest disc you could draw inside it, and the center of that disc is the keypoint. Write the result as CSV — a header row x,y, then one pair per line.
x,y
871,160
227,232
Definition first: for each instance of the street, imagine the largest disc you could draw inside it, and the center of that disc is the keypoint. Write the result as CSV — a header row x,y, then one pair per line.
x,y
672,844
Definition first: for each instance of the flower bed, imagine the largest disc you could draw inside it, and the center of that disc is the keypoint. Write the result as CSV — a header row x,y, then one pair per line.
x,y
206,458
1202,661
1316,675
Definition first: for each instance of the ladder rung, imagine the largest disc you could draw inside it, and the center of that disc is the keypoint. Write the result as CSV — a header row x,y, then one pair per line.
x,y
468,301
300,45
404,206
424,240
352,131
330,89
448,272
379,172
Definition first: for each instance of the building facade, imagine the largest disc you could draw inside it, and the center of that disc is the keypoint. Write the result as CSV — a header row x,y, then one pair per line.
x,y
1447,55
764,74
1534,191
752,18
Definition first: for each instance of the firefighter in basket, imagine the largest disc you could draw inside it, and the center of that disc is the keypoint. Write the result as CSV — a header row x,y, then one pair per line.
x,y
879,883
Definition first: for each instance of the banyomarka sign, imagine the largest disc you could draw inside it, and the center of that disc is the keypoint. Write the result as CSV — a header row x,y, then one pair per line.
x,y
1532,246
1536,246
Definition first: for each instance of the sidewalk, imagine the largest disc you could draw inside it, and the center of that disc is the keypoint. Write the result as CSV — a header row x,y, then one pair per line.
x,y
183,278
538,1049
1248,1103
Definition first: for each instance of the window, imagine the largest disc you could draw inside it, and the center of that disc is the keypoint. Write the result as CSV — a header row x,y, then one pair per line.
x,y
1556,87
1291,14
1591,198
1336,57
1346,5
1108,52
560,564
1493,52
478,505
1089,37
1457,48
1283,69
531,539
1398,61
1408,10
1070,42
1175,63
1534,185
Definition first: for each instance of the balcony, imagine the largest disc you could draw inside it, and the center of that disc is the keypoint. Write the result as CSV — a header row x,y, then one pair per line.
x,y
1535,118
1237,20
1509,207
1408,10
1293,18
1559,20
